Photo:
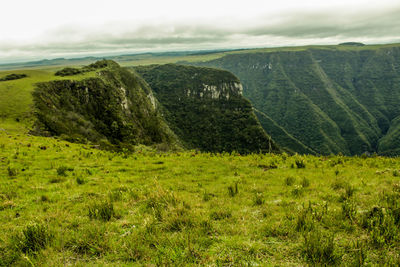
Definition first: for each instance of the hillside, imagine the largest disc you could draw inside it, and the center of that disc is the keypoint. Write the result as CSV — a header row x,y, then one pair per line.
x,y
333,100
114,107
206,109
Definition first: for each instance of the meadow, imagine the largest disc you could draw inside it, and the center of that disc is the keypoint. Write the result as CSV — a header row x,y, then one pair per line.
x,y
71,204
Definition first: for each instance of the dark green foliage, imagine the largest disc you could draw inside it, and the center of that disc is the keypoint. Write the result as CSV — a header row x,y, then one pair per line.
x,y
80,180
102,211
352,44
113,109
300,164
13,76
205,108
327,100
94,66
68,72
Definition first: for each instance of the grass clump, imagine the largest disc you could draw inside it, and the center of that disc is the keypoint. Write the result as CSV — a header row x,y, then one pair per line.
x,y
300,164
34,238
102,211
80,180
290,180
258,199
62,170
233,190
220,215
305,182
319,248
12,172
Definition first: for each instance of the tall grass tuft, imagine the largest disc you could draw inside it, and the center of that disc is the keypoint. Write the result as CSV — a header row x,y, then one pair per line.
x,y
102,211
319,249
34,238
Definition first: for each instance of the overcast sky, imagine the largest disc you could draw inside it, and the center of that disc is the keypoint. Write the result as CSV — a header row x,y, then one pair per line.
x,y
53,28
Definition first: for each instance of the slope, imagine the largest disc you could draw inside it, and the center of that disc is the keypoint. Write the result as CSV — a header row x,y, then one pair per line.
x,y
206,109
330,99
114,108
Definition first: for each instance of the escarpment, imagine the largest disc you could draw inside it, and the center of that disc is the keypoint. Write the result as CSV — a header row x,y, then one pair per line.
x,y
206,109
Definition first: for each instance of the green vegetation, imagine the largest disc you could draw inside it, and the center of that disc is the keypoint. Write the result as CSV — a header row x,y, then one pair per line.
x,y
65,203
191,208
111,109
206,110
13,76
352,44
68,71
333,99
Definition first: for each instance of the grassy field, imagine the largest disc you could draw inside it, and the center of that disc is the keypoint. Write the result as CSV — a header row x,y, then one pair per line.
x,y
67,204
72,204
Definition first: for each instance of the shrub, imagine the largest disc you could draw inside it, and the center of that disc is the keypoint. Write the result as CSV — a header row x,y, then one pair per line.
x,y
101,211
68,72
13,76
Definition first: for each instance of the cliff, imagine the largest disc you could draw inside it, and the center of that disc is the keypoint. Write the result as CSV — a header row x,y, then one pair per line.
x,y
206,109
113,107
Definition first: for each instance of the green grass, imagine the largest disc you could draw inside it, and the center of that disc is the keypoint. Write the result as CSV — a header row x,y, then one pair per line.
x,y
16,99
72,204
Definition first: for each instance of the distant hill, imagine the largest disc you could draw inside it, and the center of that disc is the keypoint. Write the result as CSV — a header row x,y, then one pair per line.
x,y
331,99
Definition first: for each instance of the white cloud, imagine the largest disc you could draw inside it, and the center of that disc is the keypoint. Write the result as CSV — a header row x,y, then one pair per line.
x,y
47,29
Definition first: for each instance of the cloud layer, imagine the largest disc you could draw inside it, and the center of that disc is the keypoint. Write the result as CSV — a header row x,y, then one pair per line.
x,y
291,27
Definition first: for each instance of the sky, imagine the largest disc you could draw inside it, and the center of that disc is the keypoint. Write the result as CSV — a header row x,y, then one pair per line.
x,y
46,29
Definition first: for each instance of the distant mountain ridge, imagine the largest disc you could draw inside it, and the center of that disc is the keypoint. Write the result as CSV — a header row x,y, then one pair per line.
x,y
331,100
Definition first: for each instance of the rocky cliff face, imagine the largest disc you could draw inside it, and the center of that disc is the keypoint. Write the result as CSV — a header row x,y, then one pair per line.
x,y
330,100
113,107
206,109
